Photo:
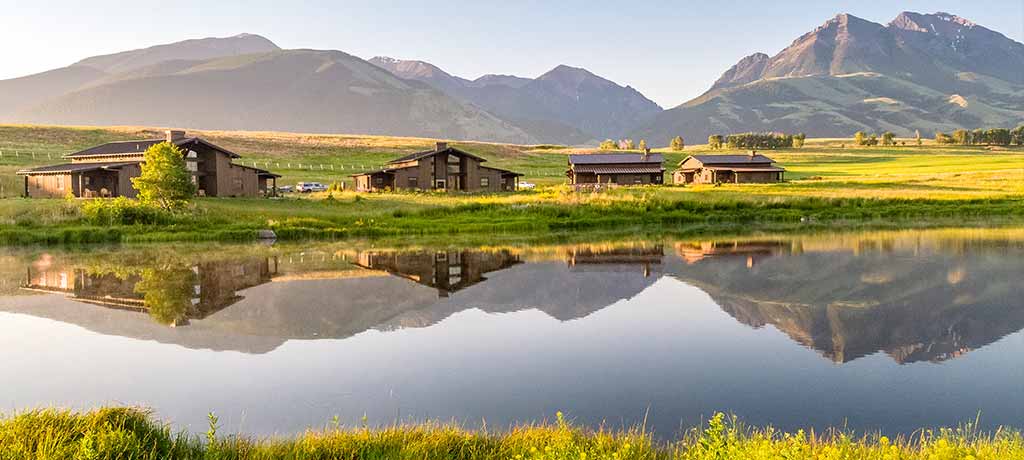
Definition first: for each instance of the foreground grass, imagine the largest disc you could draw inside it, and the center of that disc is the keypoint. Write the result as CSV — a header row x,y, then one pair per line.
x,y
121,433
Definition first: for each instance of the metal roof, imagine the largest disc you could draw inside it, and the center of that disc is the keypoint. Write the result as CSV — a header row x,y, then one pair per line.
x,y
140,146
615,158
652,169
730,159
427,153
748,169
76,167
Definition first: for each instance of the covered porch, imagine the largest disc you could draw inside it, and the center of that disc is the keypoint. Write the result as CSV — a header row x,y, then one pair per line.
x,y
82,180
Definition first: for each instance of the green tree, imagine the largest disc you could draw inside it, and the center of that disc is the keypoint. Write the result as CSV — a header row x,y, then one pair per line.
x,y
978,137
798,140
888,138
962,137
999,136
860,138
167,293
1018,135
714,141
873,140
164,181
677,143
608,144
943,138
642,145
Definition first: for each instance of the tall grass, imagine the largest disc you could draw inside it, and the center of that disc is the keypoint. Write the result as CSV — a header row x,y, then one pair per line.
x,y
123,433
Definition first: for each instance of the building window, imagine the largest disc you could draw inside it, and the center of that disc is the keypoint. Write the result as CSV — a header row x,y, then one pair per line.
x,y
60,182
485,181
39,182
613,179
440,184
238,182
378,180
87,180
414,182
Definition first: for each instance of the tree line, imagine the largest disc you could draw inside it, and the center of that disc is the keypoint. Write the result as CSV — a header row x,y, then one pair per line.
x,y
764,141
991,136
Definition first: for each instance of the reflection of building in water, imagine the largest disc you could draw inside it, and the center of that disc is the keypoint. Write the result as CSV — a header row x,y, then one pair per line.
x,y
200,290
752,251
591,258
447,271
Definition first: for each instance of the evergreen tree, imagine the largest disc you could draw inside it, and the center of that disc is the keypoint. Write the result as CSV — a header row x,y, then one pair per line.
x,y
164,181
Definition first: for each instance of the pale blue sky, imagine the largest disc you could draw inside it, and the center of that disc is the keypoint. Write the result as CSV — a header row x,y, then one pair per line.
x,y
669,50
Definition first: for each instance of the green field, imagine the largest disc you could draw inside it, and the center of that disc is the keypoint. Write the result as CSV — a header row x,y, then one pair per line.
x,y
829,183
119,433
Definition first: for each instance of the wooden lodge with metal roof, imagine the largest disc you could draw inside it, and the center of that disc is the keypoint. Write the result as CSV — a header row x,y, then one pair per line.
x,y
729,169
444,168
106,171
616,168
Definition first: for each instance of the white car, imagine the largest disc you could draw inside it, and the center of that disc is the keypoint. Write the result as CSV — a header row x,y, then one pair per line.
x,y
527,185
307,187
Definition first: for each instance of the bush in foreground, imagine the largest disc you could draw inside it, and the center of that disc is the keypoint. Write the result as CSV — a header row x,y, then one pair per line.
x,y
118,433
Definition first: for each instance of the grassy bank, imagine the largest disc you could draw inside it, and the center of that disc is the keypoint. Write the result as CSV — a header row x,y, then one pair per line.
x,y
131,434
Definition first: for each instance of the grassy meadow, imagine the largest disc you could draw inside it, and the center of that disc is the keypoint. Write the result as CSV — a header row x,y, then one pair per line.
x,y
829,183
124,433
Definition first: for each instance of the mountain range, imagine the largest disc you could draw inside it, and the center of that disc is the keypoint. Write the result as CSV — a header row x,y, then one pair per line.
x,y
920,72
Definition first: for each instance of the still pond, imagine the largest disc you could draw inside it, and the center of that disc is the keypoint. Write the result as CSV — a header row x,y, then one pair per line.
x,y
888,331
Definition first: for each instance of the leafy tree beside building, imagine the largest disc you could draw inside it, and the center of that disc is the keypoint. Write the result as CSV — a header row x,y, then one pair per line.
x,y
165,180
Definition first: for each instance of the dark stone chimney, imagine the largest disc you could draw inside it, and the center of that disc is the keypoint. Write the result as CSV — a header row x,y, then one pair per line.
x,y
174,135
441,146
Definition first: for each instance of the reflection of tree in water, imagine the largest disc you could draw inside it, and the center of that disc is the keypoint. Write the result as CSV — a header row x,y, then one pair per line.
x,y
167,292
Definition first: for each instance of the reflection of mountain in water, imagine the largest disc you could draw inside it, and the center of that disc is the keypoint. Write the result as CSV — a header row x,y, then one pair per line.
x,y
241,300
914,301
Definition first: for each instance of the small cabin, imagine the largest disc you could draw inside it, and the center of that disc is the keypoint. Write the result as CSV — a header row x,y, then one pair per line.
x,y
616,168
728,169
443,168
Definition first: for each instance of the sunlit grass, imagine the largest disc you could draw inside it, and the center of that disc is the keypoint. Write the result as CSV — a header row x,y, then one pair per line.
x,y
122,433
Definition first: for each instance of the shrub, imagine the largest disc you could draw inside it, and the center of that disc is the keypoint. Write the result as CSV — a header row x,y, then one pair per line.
x,y
122,211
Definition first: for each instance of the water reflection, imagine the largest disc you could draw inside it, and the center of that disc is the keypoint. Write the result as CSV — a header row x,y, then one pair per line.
x,y
602,331
171,294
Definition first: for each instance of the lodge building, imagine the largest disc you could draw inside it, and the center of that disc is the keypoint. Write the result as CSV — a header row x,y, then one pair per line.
x,y
616,168
106,171
443,168
731,169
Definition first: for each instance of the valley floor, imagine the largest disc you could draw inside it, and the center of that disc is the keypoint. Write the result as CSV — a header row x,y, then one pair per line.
x,y
829,184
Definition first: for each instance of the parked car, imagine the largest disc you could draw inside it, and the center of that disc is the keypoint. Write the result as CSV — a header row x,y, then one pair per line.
x,y
307,187
526,185
285,189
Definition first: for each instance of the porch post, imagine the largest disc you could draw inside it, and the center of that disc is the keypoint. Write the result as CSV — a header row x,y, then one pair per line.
x,y
26,187
81,191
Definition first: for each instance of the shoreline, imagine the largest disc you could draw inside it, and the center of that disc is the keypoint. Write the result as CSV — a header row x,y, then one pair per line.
x,y
121,432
